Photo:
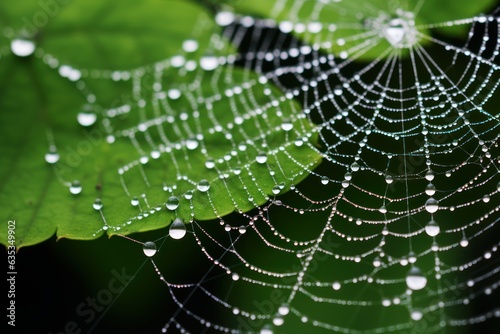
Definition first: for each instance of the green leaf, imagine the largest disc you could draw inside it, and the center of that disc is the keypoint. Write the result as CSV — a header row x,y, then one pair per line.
x,y
356,28
39,109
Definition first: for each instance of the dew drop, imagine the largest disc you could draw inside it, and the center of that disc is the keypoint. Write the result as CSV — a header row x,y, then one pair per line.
x,y
188,195
134,201
278,321
97,204
22,47
177,229
415,279
429,176
464,242
324,180
261,158
235,276
416,315
203,186
354,167
382,209
192,144
284,309
172,203
431,205
52,156
210,163
287,125
432,228
149,248
190,45
395,32
276,190
266,329
209,63
389,179
337,90
336,286
86,117
430,189
75,187
242,229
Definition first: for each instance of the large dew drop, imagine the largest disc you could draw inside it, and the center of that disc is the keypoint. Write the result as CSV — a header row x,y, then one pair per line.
x,y
86,117
172,203
261,158
22,47
149,248
52,156
97,204
177,229
415,279
75,188
203,186
432,228
431,205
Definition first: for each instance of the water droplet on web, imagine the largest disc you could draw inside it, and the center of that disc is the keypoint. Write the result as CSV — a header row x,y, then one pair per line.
x,y
86,117
429,176
354,167
97,204
209,63
389,179
287,125
382,209
52,156
149,248
278,321
242,229
261,158
276,190
75,187
190,45
337,90
235,276
177,229
432,228
336,285
325,180
172,203
267,329
22,47
188,195
416,315
192,143
284,309
134,201
395,32
203,186
430,189
415,279
210,163
431,205
464,242
224,18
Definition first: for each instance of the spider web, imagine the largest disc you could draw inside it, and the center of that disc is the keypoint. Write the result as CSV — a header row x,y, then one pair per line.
x,y
394,231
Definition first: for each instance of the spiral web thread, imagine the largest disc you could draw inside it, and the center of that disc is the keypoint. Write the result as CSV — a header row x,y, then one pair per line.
x,y
397,219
